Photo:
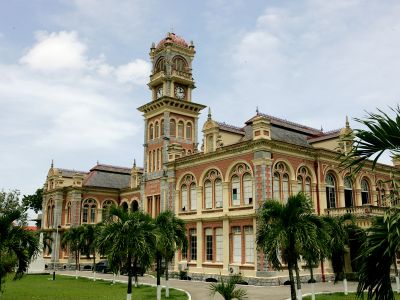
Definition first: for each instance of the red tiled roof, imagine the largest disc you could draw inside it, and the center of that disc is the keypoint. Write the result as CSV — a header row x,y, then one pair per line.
x,y
174,39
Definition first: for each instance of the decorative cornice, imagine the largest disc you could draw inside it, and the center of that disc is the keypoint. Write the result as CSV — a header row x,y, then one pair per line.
x,y
169,102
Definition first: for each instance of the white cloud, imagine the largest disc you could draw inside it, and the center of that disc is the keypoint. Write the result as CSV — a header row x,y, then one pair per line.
x,y
56,51
136,71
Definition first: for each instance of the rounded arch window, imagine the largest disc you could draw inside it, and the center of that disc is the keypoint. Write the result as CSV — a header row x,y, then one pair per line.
x,y
179,64
160,65
134,206
162,127
50,213
172,127
364,191
188,193
89,211
304,181
68,211
212,189
188,131
151,132
280,185
241,185
380,193
106,208
330,183
180,129
124,206
156,130
348,192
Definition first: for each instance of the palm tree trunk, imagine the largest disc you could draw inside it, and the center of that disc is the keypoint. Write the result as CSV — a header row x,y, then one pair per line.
x,y
158,259
76,264
298,281
291,278
129,292
166,280
346,292
312,281
396,273
135,272
94,265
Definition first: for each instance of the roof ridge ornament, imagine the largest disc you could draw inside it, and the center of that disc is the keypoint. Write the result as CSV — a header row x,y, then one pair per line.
x,y
209,113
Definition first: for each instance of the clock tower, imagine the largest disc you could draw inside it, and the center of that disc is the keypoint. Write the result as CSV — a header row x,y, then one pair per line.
x,y
170,118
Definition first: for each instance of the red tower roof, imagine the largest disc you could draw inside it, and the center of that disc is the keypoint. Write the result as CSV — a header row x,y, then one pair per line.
x,y
172,37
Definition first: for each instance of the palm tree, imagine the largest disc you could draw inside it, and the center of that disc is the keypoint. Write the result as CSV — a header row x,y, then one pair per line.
x,y
228,289
377,256
338,230
72,240
131,236
285,227
382,134
89,239
171,237
17,246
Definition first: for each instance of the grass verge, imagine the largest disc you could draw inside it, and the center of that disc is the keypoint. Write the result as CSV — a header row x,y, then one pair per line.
x,y
39,287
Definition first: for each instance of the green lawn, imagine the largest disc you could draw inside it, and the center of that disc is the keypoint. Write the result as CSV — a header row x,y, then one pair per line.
x,y
339,296
39,287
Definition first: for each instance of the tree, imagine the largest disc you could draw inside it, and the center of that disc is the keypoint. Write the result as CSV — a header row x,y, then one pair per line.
x,y
90,241
382,134
377,256
227,289
17,246
132,237
9,201
34,201
171,236
72,240
284,228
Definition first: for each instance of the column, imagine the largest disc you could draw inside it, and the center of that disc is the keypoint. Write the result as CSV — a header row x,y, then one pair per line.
x,y
226,242
200,250
226,197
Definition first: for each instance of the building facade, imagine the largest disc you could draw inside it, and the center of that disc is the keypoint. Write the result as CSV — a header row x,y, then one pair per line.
x,y
215,185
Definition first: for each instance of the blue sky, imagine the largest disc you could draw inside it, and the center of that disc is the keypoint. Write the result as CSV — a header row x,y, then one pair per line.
x,y
72,73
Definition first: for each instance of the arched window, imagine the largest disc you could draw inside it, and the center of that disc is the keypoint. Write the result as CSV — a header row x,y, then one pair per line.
x,y
156,130
162,127
172,127
364,191
151,132
213,197
154,160
124,206
188,193
184,197
208,194
150,161
247,189
280,186
304,181
158,159
50,213
188,131
106,208
179,64
193,197
68,210
330,183
180,129
348,192
160,65
380,194
241,185
210,143
135,206
89,211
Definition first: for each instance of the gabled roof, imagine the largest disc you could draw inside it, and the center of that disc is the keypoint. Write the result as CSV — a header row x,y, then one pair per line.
x,y
108,176
230,128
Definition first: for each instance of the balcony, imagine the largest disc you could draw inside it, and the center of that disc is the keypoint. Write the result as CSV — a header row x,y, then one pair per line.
x,y
365,211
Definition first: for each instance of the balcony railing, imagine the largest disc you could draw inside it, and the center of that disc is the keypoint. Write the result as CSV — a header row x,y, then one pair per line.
x,y
366,210
182,74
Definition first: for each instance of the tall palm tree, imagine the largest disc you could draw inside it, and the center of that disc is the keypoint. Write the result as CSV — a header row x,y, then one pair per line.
x,y
17,246
382,134
171,237
227,289
89,240
338,245
72,240
286,227
131,236
377,256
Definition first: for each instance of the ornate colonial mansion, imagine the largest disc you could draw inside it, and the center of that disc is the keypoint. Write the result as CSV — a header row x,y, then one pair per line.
x,y
216,182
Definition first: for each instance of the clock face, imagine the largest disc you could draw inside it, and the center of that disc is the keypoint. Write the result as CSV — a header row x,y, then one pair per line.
x,y
179,92
159,92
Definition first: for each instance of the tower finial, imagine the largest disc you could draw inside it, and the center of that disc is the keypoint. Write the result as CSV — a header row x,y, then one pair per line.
x,y
97,162
322,129
347,122
209,113
134,162
257,112
52,163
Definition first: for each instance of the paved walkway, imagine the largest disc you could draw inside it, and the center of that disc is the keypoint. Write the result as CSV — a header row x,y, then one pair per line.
x,y
199,290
